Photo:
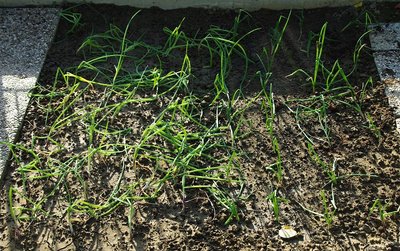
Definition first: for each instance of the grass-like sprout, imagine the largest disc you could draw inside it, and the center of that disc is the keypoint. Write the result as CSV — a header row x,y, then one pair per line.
x,y
328,212
373,127
318,161
268,107
225,44
74,18
318,63
382,210
275,200
268,103
314,108
364,19
277,34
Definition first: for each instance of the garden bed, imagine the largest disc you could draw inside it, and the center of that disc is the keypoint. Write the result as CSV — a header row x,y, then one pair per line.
x,y
206,130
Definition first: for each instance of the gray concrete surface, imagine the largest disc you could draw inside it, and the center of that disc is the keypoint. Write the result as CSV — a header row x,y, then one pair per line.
x,y
25,35
385,42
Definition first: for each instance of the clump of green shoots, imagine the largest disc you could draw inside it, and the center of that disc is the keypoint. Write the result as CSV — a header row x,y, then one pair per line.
x,y
325,167
328,212
275,200
315,109
224,44
277,34
373,127
365,19
268,107
318,64
267,101
382,210
73,18
331,79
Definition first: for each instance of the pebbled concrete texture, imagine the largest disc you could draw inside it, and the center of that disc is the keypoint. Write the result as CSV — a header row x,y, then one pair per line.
x,y
385,42
25,35
385,37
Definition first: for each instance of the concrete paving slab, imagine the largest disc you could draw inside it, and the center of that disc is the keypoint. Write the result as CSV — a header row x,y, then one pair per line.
x,y
388,64
25,36
393,93
385,37
385,41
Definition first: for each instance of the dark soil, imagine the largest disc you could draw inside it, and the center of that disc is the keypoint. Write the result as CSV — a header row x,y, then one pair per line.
x,y
196,222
